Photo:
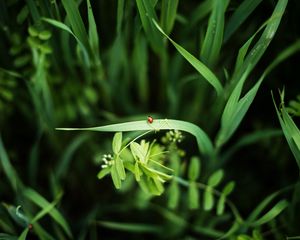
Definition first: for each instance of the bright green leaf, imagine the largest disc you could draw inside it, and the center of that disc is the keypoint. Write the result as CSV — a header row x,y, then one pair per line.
x,y
208,199
194,168
115,177
215,178
103,172
193,196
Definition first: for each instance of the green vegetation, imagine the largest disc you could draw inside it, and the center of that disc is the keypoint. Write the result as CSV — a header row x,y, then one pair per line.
x,y
149,119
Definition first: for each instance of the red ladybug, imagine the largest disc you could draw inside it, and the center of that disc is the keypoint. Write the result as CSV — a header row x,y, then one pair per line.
x,y
150,119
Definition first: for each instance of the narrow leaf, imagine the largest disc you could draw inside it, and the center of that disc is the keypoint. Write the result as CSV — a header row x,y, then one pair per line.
x,y
209,76
103,172
43,203
194,168
193,195
208,199
215,178
273,213
115,177
117,142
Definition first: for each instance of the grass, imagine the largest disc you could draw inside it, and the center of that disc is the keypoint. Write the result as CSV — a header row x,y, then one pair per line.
x,y
203,169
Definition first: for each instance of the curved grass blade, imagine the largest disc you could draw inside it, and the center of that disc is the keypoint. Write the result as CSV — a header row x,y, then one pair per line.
x,y
273,213
236,109
208,75
43,203
261,45
203,141
64,27
76,22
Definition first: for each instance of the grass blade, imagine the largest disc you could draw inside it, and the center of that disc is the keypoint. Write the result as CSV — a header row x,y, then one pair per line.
x,y
147,12
211,47
76,22
209,76
130,227
236,109
204,143
64,27
9,171
290,130
93,33
239,16
261,45
273,213
168,14
44,204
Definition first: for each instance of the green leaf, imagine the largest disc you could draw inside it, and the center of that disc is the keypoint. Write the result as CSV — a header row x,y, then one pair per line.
x,y
194,168
239,16
273,213
115,177
120,167
46,209
173,195
221,205
9,171
228,188
257,211
226,191
147,12
208,199
209,76
45,35
168,14
103,172
117,142
93,33
43,203
193,195
130,227
261,45
16,215
33,31
236,109
23,234
215,178
203,141
4,236
64,27
244,237
137,172
138,151
211,46
76,22
290,130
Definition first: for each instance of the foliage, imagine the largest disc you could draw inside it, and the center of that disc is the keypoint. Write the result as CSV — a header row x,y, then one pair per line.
x,y
202,168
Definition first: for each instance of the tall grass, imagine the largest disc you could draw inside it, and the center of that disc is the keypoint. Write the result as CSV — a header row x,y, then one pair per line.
x,y
199,68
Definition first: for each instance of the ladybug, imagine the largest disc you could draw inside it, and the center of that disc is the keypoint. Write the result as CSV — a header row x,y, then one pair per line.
x,y
30,227
150,119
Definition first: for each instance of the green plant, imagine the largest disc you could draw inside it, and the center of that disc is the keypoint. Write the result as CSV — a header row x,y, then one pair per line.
x,y
200,169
